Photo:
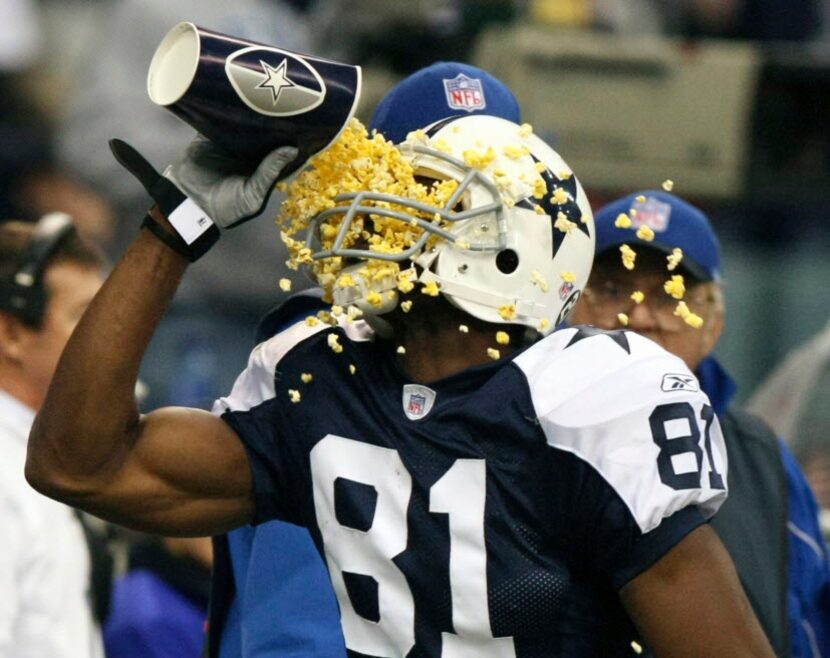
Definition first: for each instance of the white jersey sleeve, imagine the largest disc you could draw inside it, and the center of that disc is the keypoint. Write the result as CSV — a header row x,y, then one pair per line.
x,y
635,414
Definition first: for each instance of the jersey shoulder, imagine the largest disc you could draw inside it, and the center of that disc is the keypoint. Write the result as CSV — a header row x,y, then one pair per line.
x,y
608,371
631,411
256,383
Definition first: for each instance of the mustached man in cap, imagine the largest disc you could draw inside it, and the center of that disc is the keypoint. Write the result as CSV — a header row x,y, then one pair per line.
x,y
658,272
478,483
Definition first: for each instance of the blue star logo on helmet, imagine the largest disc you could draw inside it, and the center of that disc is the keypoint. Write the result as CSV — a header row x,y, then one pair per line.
x,y
570,208
274,82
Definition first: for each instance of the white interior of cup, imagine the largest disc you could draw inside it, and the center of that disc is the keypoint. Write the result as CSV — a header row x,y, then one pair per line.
x,y
174,64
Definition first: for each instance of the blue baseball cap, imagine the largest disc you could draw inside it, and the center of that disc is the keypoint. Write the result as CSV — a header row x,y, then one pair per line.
x,y
441,90
675,223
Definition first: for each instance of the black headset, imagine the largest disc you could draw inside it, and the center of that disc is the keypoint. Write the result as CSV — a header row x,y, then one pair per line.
x,y
24,294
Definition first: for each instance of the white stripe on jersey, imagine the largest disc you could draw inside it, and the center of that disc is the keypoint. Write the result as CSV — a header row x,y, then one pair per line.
x,y
256,383
594,400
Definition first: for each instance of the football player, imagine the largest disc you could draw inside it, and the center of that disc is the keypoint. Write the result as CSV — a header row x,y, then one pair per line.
x,y
478,484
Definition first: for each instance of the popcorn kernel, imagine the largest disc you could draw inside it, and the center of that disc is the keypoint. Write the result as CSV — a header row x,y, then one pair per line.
x,y
507,312
622,221
285,284
294,395
502,338
493,353
431,288
334,343
675,286
645,233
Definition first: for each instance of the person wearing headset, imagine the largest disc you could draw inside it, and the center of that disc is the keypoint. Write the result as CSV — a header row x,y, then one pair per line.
x,y
48,276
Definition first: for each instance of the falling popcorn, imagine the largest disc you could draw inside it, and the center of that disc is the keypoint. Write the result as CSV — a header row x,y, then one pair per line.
x,y
538,209
539,188
334,344
294,395
635,646
405,306
622,221
401,349
640,199
628,257
463,328
623,318
374,298
645,233
693,320
525,130
336,310
682,310
307,377
675,286
431,288
638,297
352,368
493,353
359,162
544,324
507,312
285,284
537,279
567,277
502,338
674,258
311,321
668,185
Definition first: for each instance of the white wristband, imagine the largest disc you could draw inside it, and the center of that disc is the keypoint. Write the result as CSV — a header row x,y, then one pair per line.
x,y
190,221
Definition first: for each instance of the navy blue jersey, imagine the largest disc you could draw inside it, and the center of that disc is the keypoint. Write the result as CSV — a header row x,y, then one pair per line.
x,y
495,512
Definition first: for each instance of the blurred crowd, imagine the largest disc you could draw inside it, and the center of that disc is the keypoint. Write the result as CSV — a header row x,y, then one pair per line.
x,y
72,76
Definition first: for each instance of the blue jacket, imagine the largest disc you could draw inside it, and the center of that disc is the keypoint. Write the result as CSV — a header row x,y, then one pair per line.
x,y
808,587
158,607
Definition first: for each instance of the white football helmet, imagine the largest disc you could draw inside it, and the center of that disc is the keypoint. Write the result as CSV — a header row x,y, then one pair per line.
x,y
513,245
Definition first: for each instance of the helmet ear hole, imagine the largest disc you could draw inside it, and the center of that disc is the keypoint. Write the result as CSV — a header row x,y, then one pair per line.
x,y
507,261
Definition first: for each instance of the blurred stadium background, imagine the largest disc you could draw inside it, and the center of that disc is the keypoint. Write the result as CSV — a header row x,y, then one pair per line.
x,y
728,98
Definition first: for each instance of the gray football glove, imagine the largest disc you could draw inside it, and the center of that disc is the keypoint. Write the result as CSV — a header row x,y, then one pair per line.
x,y
222,186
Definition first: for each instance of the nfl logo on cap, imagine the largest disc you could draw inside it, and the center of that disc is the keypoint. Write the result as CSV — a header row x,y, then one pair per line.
x,y
464,93
652,213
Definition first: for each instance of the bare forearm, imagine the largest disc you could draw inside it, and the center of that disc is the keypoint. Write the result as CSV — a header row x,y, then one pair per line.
x,y
88,418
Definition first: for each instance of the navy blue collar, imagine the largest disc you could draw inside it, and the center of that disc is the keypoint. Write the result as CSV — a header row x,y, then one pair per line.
x,y
716,383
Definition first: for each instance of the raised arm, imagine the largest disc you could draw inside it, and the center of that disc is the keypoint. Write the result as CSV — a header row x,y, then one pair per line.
x,y
174,471
690,604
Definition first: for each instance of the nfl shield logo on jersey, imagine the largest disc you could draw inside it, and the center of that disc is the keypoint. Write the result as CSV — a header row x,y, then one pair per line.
x,y
465,93
417,401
